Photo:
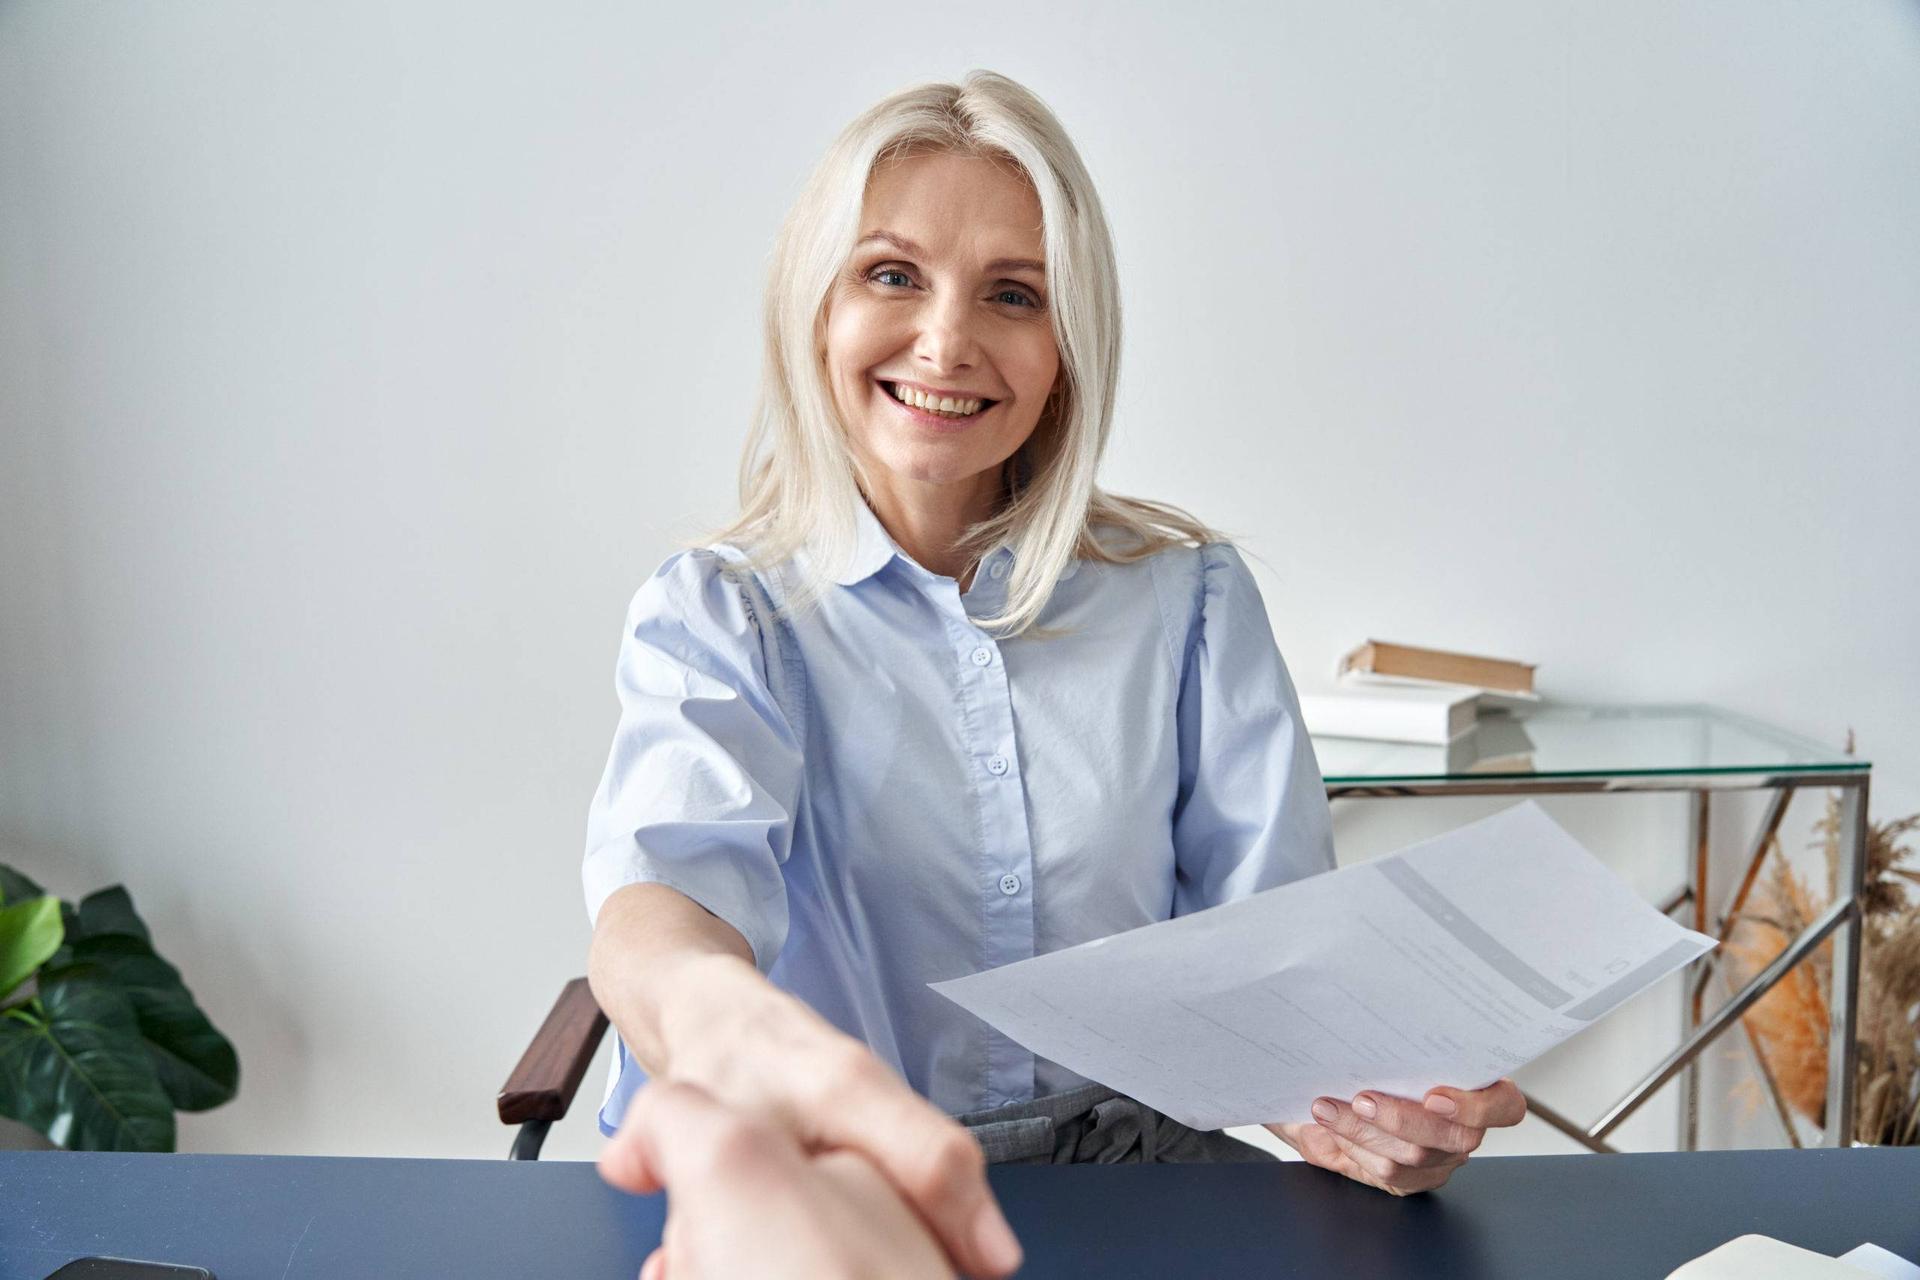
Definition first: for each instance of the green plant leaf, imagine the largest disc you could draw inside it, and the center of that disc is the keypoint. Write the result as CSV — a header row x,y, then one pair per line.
x,y
77,1071
30,931
15,887
196,1065
108,913
111,911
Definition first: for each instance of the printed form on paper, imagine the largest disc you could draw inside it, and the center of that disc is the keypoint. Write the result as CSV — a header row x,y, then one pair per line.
x,y
1451,962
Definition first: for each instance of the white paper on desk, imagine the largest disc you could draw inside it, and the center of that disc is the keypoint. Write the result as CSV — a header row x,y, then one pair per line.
x,y
1451,962
1875,1261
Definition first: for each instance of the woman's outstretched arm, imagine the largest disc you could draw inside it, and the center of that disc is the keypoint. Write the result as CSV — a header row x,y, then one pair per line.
x,y
680,986
651,943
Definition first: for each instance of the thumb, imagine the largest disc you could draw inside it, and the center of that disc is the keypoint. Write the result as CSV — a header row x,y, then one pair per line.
x,y
663,1122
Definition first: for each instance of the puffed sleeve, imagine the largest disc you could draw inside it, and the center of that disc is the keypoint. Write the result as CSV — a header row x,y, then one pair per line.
x,y
1251,812
701,785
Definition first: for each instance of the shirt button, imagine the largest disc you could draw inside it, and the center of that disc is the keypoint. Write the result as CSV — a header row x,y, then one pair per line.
x,y
997,764
982,656
1009,885
999,569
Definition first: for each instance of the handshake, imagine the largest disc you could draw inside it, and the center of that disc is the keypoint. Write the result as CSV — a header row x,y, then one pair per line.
x,y
748,1200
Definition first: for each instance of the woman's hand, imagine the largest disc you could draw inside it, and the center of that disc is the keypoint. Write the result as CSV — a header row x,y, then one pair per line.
x,y
747,1201
1400,1145
767,1057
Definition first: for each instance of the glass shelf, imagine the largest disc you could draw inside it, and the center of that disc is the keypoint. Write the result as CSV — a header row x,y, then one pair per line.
x,y
1568,740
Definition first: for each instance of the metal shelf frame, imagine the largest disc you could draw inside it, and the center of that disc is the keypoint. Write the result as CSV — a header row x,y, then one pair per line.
x,y
1841,921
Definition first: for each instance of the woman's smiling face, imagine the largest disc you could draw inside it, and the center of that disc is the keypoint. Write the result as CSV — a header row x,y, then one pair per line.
x,y
953,299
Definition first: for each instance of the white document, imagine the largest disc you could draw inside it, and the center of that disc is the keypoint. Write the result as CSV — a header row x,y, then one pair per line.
x,y
1761,1257
1875,1261
1451,962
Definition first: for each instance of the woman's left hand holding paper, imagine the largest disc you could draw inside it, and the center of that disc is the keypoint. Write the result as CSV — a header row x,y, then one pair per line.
x,y
1400,1145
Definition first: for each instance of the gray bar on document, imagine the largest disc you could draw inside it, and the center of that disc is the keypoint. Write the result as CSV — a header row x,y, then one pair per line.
x,y
1470,935
1633,980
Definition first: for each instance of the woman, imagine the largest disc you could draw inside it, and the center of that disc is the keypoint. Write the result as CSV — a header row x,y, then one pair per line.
x,y
936,702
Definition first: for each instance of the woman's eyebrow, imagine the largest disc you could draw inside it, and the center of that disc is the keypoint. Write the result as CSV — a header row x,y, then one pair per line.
x,y
905,245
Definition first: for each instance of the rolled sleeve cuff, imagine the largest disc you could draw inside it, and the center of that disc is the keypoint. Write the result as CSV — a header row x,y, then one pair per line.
x,y
611,869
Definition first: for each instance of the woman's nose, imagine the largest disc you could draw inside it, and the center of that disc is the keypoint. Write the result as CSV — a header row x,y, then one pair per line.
x,y
947,337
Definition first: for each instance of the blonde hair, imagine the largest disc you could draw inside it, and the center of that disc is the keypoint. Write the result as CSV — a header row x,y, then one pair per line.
x,y
798,474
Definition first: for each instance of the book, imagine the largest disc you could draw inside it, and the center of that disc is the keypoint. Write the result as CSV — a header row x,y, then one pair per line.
x,y
1381,662
1431,716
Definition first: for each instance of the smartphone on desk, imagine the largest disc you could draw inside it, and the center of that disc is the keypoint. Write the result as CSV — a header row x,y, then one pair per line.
x,y
128,1269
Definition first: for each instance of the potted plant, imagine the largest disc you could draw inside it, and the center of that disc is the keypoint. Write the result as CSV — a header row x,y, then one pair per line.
x,y
100,1041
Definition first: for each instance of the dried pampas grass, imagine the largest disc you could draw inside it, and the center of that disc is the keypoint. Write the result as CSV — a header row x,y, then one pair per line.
x,y
1788,1025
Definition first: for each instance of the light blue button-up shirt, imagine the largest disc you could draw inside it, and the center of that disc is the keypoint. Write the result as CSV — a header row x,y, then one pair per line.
x,y
881,794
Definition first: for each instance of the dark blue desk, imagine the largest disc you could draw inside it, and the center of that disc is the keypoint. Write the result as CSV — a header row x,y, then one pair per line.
x,y
1614,1217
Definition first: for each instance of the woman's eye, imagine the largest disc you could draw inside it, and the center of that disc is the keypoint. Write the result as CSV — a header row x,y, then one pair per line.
x,y
878,274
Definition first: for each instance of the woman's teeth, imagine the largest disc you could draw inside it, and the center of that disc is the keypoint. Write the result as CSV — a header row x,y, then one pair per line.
x,y
941,405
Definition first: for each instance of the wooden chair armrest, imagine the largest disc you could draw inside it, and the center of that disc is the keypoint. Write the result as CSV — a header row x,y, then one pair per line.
x,y
543,1085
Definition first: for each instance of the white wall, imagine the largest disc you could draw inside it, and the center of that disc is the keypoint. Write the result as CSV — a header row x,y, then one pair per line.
x,y
357,361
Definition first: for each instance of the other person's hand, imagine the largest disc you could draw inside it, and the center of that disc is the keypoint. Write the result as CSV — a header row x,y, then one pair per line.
x,y
1400,1145
745,1200
770,1058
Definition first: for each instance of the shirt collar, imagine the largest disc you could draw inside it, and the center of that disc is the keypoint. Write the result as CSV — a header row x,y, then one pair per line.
x,y
874,547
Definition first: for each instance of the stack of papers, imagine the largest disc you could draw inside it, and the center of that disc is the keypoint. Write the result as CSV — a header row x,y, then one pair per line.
x,y
1452,962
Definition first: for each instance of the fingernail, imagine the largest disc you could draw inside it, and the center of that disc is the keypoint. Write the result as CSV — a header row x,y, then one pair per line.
x,y
1441,1104
995,1238
1325,1112
1364,1105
